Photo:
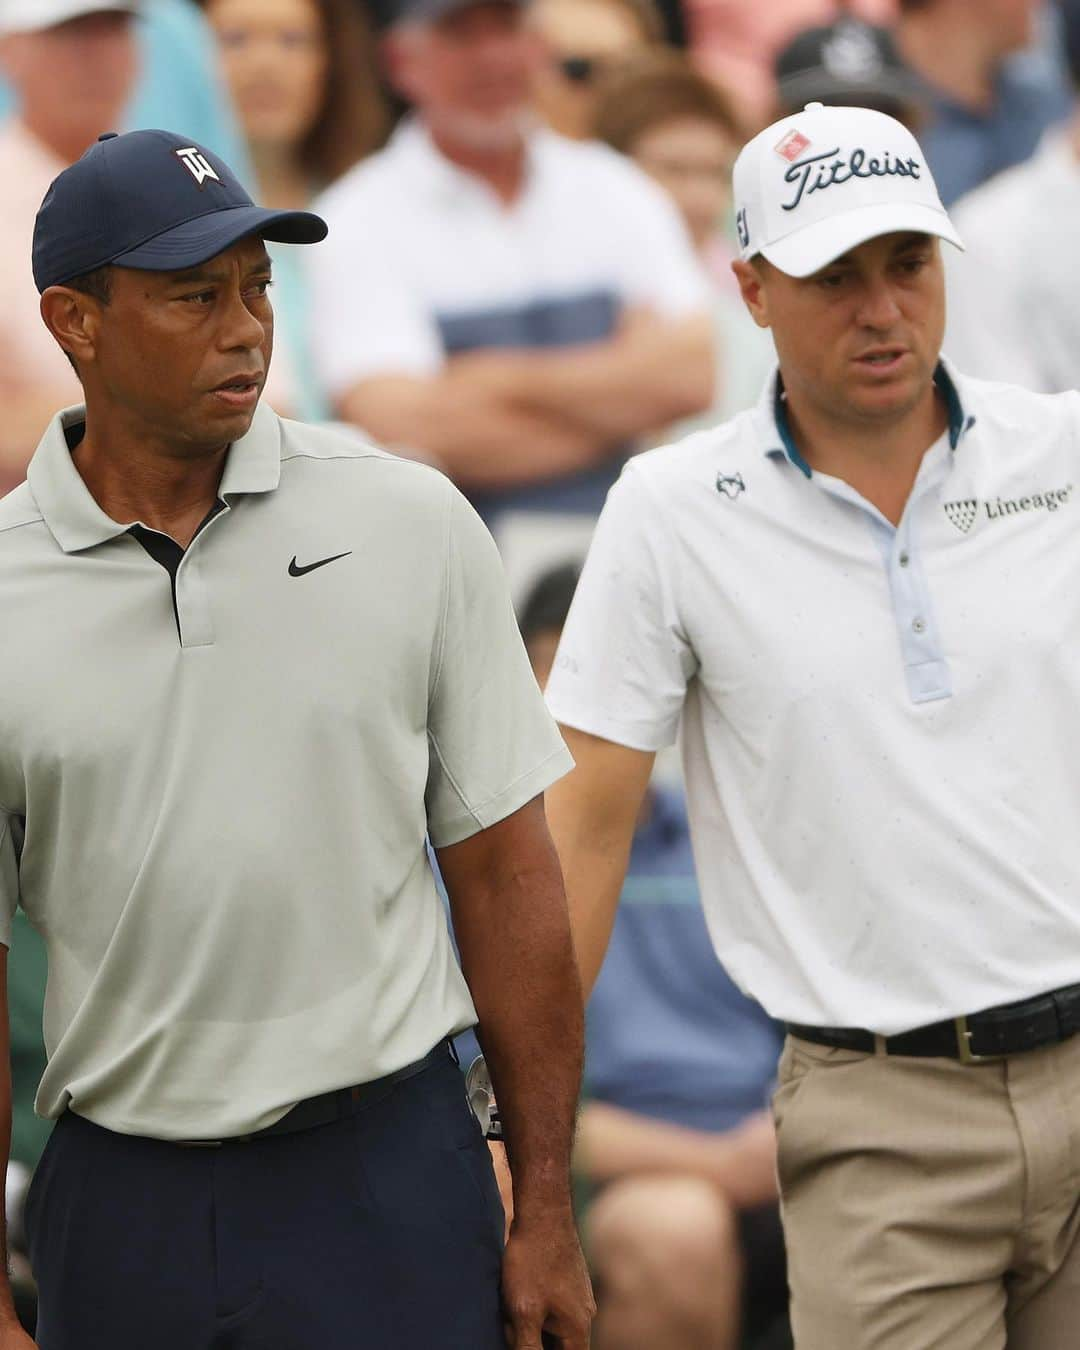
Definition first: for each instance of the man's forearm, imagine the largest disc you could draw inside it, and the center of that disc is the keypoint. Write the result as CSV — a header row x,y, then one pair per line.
x,y
528,1001
476,435
513,932
614,1143
618,389
593,812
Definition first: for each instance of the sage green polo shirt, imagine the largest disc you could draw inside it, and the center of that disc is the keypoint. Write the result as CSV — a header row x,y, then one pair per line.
x,y
218,769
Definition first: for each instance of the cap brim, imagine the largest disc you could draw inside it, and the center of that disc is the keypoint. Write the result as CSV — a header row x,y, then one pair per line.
x,y
198,240
808,250
895,87
37,17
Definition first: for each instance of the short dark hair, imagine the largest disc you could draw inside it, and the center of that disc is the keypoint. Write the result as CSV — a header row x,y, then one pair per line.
x,y
97,284
548,602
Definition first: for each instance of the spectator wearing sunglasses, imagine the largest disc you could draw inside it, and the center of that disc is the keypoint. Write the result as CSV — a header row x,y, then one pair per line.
x,y
586,39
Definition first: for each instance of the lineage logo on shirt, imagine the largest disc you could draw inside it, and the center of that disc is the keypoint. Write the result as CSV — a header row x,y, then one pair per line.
x,y
963,513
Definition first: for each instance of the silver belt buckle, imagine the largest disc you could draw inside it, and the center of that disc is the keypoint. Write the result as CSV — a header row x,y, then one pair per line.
x,y
963,1045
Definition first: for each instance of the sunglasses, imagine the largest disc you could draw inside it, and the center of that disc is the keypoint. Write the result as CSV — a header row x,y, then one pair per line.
x,y
580,69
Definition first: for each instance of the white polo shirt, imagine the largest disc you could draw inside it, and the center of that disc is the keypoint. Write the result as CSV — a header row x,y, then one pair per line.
x,y
1013,312
424,262
216,781
879,724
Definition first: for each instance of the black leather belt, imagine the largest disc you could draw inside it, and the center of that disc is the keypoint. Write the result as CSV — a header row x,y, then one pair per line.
x,y
330,1106
1007,1030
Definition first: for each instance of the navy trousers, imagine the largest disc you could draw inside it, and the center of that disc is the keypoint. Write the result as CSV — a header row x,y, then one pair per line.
x,y
381,1231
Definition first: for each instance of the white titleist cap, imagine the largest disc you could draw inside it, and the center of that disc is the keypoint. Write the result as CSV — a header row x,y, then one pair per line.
x,y
31,16
812,186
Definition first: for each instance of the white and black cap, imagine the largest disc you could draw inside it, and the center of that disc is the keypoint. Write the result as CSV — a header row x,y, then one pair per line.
x,y
814,185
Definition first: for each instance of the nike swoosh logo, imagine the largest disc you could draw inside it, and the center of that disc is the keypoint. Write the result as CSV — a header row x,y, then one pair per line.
x,y
295,571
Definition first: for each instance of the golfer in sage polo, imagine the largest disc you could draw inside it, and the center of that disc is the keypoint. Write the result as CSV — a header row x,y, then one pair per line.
x,y
861,601
247,668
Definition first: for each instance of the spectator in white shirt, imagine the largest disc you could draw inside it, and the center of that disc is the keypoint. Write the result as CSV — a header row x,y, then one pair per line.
x,y
515,306
1020,229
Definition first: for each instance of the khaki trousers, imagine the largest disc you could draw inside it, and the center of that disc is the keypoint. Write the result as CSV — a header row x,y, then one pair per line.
x,y
930,1204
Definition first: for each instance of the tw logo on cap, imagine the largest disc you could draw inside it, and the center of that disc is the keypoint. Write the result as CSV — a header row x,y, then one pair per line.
x,y
200,168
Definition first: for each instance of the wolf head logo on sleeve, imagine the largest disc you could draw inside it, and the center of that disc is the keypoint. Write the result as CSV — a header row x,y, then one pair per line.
x,y
730,485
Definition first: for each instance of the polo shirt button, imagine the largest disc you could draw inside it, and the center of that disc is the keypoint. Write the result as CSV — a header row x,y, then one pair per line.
x,y
918,625
904,559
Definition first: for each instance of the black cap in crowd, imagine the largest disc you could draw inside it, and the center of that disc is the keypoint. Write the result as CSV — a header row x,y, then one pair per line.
x,y
846,63
1070,26
153,200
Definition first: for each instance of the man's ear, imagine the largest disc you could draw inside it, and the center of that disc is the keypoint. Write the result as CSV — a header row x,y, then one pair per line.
x,y
752,289
73,319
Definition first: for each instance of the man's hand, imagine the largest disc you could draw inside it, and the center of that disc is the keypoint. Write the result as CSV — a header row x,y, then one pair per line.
x,y
12,1336
547,1294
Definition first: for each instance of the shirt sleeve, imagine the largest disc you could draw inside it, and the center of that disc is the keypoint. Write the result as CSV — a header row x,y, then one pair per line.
x,y
624,662
493,746
657,265
9,875
367,316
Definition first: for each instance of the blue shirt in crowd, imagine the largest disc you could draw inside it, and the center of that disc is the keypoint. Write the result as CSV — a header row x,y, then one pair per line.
x,y
668,1034
964,147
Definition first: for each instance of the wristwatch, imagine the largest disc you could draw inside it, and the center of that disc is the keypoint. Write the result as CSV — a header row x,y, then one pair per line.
x,y
481,1097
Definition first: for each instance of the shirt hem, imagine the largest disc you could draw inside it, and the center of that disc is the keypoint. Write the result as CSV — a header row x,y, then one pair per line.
x,y
557,765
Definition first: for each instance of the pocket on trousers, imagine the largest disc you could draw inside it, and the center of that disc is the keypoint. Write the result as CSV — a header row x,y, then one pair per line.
x,y
40,1180
801,1114
475,1158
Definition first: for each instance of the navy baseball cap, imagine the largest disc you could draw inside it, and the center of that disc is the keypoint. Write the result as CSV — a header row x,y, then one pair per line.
x,y
153,200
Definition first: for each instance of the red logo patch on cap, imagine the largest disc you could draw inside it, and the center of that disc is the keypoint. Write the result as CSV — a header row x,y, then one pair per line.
x,y
792,146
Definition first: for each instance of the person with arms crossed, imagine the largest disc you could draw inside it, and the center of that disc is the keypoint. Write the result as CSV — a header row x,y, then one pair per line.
x,y
515,306
249,667
860,601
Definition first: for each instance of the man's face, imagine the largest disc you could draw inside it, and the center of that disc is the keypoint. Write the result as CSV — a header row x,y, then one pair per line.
x,y
74,79
690,157
858,340
584,38
183,356
274,55
470,73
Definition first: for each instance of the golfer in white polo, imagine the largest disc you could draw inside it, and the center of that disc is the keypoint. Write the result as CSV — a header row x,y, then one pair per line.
x,y
859,605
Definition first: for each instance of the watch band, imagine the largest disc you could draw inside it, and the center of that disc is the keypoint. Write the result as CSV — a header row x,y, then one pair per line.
x,y
481,1097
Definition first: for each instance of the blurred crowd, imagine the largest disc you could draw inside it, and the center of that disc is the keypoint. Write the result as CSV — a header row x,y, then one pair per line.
x,y
527,280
